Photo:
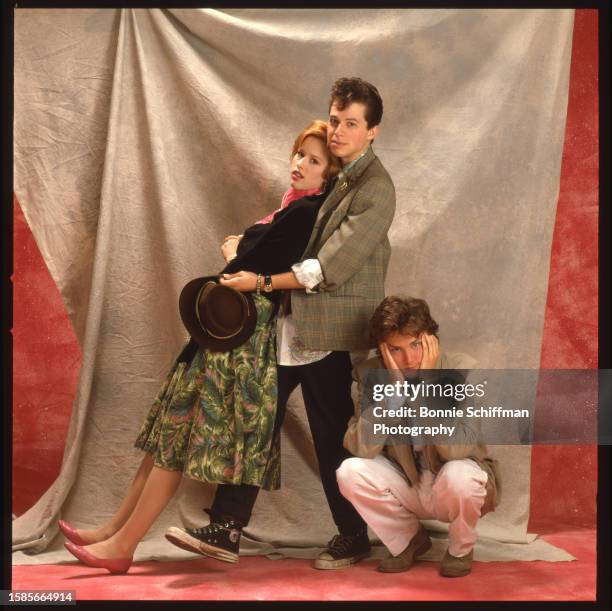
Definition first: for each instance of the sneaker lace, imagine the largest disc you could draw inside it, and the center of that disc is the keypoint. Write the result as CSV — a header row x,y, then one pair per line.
x,y
340,544
211,528
215,527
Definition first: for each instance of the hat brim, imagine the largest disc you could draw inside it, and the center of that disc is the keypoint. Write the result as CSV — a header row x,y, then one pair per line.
x,y
187,310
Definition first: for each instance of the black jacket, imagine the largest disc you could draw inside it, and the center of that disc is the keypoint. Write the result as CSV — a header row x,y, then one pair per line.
x,y
274,247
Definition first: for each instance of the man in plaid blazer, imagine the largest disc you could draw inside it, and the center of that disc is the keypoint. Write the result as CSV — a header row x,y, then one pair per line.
x,y
336,288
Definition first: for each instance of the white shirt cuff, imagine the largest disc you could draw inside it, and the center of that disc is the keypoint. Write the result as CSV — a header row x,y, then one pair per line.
x,y
308,273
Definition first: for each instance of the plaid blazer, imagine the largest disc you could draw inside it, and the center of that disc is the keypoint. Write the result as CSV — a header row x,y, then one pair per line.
x,y
350,241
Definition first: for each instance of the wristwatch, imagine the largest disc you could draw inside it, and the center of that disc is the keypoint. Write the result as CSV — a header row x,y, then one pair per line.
x,y
267,287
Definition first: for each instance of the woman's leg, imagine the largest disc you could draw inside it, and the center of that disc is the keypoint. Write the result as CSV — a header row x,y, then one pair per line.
x,y
157,492
236,502
120,517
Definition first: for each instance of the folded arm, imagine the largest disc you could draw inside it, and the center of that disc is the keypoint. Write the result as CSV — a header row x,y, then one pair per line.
x,y
366,225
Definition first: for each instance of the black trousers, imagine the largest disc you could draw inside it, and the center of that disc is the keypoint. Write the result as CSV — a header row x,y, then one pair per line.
x,y
326,388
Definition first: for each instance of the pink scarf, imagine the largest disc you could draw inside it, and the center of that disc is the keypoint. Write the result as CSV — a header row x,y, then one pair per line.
x,y
291,195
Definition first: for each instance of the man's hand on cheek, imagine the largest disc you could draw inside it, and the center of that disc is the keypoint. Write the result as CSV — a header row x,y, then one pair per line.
x,y
395,373
431,351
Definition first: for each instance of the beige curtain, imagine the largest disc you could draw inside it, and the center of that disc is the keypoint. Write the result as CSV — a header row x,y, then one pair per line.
x,y
142,137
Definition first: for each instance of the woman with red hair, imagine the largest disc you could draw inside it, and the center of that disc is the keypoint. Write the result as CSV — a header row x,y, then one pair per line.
x,y
214,419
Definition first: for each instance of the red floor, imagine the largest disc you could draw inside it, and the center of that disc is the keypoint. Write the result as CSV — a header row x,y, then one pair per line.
x,y
257,578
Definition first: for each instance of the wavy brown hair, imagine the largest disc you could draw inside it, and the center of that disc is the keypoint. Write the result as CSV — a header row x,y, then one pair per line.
x,y
406,315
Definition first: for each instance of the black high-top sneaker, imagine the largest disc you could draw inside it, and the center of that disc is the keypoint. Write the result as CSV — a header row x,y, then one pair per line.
x,y
220,539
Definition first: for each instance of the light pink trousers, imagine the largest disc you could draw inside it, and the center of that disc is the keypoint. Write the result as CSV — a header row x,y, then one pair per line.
x,y
380,492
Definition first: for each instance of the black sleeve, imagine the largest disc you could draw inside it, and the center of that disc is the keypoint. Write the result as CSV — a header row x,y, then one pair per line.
x,y
280,247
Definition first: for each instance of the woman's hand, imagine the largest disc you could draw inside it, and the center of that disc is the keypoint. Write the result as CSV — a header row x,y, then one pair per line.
x,y
241,281
431,351
230,246
233,237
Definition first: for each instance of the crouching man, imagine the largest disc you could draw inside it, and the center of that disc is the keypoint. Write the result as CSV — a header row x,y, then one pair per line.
x,y
396,483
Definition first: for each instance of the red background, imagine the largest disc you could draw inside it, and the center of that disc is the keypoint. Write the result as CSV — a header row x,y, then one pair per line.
x,y
46,356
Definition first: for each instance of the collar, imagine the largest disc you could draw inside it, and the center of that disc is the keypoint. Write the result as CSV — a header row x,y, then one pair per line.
x,y
349,167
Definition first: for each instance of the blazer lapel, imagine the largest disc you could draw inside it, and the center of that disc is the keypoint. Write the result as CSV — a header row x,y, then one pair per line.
x,y
341,188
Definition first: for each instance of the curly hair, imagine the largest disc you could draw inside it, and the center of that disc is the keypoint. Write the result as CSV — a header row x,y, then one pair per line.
x,y
318,129
345,91
406,315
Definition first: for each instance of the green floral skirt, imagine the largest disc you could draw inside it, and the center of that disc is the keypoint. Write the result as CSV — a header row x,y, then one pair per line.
x,y
213,417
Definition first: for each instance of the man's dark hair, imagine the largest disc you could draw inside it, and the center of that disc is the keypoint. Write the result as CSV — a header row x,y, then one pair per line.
x,y
404,315
345,91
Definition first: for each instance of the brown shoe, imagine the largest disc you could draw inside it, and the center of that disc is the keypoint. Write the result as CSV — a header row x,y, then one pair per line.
x,y
456,567
419,544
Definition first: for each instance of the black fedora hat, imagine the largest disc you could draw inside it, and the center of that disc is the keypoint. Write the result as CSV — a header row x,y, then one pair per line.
x,y
219,318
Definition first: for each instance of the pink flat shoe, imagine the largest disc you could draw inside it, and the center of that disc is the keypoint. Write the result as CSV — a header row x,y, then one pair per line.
x,y
113,565
71,534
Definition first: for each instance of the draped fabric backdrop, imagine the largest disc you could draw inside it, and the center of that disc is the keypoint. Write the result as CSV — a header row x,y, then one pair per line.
x,y
143,137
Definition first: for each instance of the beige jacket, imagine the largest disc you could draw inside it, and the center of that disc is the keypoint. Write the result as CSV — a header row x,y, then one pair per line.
x,y
435,455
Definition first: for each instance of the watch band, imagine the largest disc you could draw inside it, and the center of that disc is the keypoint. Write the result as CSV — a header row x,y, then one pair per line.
x,y
258,284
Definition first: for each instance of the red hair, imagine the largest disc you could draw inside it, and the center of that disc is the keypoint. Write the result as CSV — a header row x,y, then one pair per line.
x,y
318,129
